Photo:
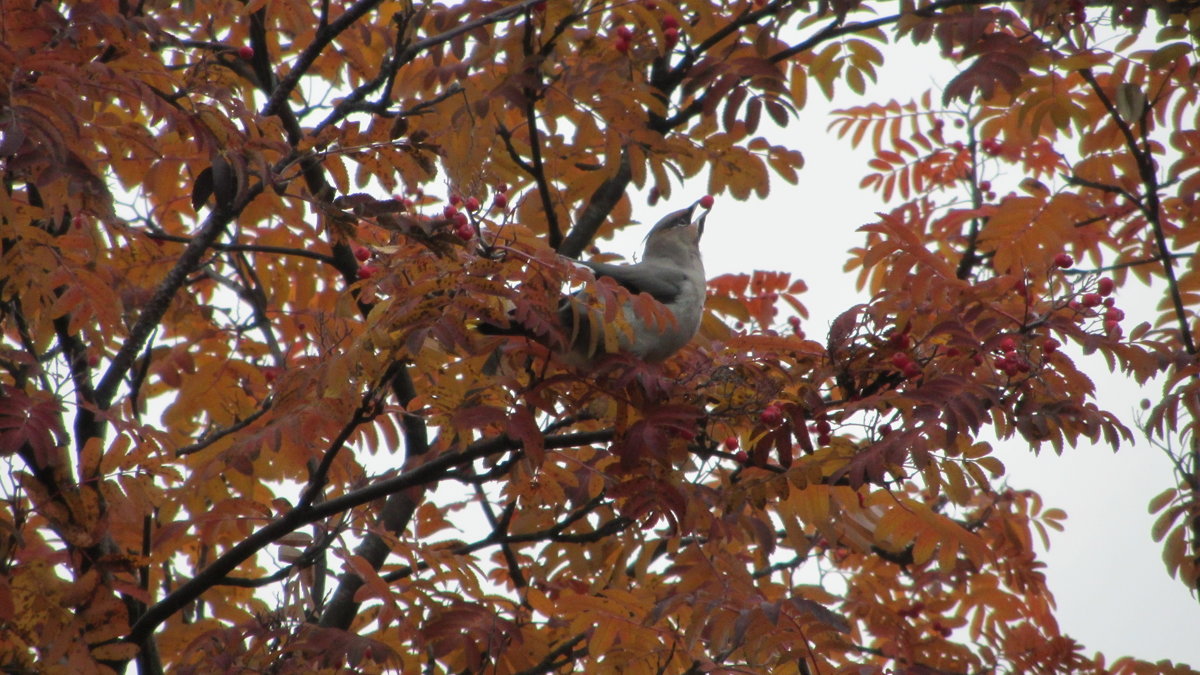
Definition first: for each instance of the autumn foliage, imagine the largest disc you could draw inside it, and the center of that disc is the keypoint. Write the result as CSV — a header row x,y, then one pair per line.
x,y
249,425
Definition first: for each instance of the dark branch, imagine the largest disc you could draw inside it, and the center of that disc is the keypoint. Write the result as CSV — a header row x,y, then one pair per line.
x,y
325,35
558,657
218,434
249,248
1151,207
429,472
598,207
153,312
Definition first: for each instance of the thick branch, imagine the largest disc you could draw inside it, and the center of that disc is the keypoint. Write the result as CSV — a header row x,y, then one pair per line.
x,y
152,313
598,207
396,513
424,474
325,35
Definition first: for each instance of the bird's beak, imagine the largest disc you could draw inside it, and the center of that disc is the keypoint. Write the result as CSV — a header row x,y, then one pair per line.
x,y
698,219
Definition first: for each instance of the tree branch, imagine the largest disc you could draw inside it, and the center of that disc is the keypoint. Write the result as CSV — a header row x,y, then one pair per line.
x,y
1151,209
325,35
558,657
601,203
249,248
424,474
353,101
218,219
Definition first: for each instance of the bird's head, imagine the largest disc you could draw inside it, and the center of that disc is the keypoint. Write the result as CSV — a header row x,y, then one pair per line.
x,y
678,231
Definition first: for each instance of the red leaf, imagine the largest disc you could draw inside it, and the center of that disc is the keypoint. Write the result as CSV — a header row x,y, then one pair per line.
x,y
26,422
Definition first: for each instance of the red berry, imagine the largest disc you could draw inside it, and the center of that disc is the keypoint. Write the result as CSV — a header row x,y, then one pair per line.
x,y
1112,326
361,253
472,204
1113,314
459,220
884,430
539,6
624,33
771,416
706,202
1105,286
1008,345
911,371
952,352
900,360
823,426
672,36
1063,260
741,457
1109,302
93,360
899,340
449,211
455,199
732,442
501,201
464,232
245,52
1091,299
823,439
367,271
669,22
621,45
985,186
1050,345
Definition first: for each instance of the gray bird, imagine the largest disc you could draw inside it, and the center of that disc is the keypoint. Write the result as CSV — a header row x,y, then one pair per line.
x,y
670,271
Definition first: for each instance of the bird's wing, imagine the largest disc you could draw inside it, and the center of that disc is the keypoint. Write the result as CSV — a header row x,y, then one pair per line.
x,y
662,283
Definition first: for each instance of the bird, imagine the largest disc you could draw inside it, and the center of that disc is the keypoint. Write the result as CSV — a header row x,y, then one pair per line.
x,y
670,271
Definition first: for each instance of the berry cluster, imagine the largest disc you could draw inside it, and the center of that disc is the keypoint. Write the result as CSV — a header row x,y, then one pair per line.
x,y
992,146
623,36
457,215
